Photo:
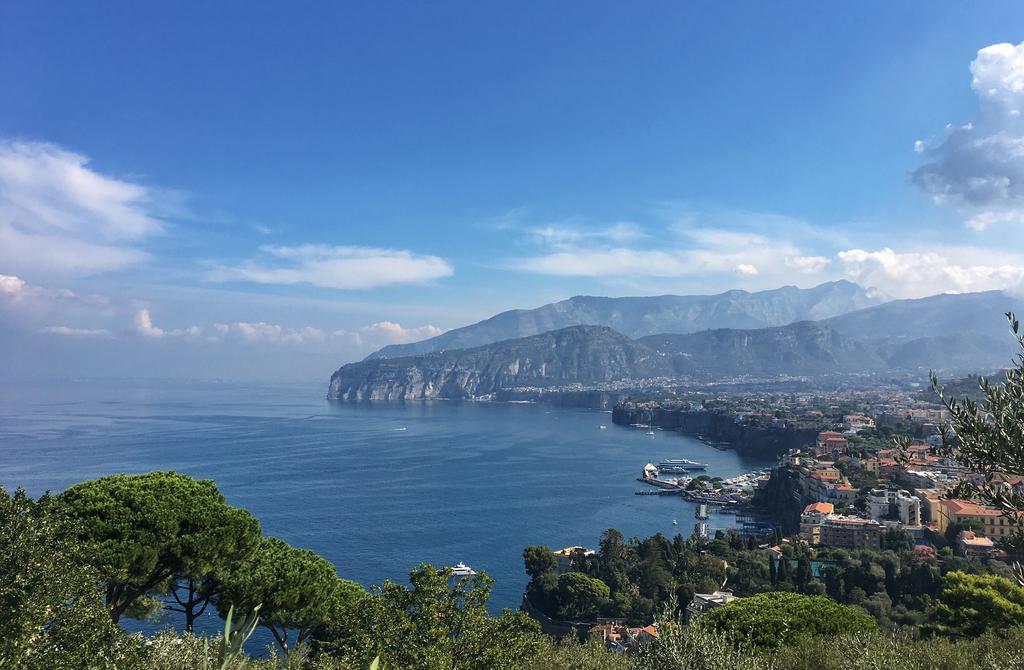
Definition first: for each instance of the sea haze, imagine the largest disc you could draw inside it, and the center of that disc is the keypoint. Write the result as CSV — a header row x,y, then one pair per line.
x,y
377,488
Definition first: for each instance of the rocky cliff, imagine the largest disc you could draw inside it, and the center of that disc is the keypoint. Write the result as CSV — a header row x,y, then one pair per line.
x,y
591,356
717,427
581,354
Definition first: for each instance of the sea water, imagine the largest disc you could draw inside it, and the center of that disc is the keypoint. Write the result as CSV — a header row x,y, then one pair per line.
x,y
375,488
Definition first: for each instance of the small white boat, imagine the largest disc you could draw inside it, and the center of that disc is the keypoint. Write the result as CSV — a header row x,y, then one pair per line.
x,y
603,427
674,522
402,428
460,569
651,433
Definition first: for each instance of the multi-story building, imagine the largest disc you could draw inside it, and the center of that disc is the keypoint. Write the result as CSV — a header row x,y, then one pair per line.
x,y
987,521
830,442
811,519
973,545
930,501
899,505
820,526
851,532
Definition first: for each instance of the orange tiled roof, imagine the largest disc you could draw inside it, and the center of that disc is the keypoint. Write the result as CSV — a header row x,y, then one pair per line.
x,y
824,508
969,508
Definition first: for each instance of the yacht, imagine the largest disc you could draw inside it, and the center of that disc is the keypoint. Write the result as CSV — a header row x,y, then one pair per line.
x,y
460,569
680,465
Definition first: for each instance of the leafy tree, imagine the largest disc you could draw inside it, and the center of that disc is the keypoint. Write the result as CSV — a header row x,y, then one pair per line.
x,y
973,604
774,619
613,560
160,531
297,590
539,560
803,572
581,596
433,625
51,613
989,439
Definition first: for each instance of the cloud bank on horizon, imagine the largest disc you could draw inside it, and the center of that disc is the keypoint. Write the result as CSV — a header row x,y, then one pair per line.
x,y
65,224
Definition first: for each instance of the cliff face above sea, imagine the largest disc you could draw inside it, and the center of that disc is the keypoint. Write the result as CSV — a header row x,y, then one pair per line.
x,y
868,341
765,442
582,354
597,355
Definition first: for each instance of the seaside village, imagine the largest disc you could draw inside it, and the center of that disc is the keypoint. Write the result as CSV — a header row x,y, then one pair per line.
x,y
850,490
911,493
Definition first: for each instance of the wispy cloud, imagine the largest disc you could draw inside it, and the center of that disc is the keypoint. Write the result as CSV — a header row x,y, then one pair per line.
x,y
978,166
372,336
339,267
680,251
57,215
75,332
570,235
261,332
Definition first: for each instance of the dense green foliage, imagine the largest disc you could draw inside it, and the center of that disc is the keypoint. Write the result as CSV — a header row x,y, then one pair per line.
x,y
51,614
989,440
297,590
160,532
435,623
974,604
640,577
774,619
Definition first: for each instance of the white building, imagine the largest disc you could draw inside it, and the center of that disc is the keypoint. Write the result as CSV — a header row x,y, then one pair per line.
x,y
887,504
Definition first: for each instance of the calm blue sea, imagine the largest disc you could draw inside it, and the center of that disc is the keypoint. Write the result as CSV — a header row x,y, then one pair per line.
x,y
376,489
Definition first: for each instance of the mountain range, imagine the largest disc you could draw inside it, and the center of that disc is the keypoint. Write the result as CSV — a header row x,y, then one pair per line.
x,y
961,333
640,316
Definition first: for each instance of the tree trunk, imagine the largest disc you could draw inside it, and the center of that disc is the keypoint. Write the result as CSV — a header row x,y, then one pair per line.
x,y
282,638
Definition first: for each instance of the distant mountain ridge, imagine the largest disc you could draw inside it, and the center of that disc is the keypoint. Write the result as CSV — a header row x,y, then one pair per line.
x,y
589,355
641,316
978,314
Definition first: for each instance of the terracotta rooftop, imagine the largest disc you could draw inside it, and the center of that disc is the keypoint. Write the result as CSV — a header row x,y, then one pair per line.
x,y
823,508
969,508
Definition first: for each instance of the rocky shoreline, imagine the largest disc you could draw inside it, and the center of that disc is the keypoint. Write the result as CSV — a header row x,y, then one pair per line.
x,y
715,428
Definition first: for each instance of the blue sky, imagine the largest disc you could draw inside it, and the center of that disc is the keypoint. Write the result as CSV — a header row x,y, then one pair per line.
x,y
254,189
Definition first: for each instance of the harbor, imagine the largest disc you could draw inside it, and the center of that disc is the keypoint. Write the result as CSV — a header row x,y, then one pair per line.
x,y
703,489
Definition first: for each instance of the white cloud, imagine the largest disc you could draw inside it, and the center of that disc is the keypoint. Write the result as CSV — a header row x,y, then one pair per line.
x,y
16,291
979,166
144,326
806,264
394,333
692,252
340,267
57,215
927,272
75,332
11,285
260,332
